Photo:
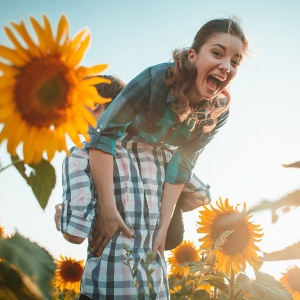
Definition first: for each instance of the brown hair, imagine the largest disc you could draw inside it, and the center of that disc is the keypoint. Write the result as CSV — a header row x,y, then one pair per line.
x,y
109,90
181,77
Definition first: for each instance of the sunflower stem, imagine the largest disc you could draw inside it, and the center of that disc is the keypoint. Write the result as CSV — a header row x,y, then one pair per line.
x,y
231,284
12,164
237,293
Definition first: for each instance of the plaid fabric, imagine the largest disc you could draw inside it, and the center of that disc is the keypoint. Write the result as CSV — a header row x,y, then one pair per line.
x,y
138,178
78,194
146,104
139,173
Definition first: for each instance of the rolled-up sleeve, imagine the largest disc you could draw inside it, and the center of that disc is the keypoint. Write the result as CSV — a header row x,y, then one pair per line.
x,y
78,195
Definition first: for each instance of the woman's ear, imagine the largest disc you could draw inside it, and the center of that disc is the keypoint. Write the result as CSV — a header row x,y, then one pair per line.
x,y
191,55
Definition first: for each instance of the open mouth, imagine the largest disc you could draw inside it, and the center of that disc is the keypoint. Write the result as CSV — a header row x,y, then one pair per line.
x,y
214,82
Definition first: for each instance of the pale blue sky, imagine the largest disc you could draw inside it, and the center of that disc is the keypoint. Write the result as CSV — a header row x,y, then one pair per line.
x,y
244,160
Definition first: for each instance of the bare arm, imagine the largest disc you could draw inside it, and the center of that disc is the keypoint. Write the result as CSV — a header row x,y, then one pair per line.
x,y
170,197
108,221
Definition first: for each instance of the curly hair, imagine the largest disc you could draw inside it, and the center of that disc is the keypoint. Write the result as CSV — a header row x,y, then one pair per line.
x,y
182,75
109,90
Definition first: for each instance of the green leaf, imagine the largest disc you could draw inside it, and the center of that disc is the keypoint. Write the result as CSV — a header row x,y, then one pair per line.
x,y
263,287
292,199
31,260
290,252
217,282
292,165
41,178
12,286
201,295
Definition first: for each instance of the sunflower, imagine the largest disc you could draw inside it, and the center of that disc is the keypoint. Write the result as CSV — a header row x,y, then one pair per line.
x,y
291,280
45,94
239,246
68,274
2,234
186,252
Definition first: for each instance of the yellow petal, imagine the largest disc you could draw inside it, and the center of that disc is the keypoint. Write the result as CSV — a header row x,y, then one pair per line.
x,y
40,33
6,83
9,70
23,53
11,55
62,29
29,146
84,71
77,56
32,48
49,35
6,111
88,117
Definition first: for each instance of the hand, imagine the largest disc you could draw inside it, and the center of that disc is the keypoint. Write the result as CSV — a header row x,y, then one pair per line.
x,y
57,215
107,224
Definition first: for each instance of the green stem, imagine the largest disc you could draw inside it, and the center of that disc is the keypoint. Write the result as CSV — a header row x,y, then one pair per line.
x,y
231,284
12,164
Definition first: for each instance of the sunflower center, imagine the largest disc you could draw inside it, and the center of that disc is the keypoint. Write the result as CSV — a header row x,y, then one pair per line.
x,y
185,254
238,239
71,271
43,92
294,280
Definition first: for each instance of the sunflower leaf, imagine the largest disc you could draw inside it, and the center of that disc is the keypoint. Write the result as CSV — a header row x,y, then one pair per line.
x,y
290,252
292,165
263,287
292,199
42,178
201,295
34,262
12,285
217,282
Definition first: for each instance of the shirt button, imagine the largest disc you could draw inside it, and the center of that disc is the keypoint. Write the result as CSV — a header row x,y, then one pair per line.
x,y
173,128
161,142
98,130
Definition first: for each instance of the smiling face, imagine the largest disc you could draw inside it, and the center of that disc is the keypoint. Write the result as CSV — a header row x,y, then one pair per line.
x,y
216,63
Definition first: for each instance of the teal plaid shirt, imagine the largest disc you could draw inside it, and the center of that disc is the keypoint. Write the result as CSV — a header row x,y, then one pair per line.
x,y
146,104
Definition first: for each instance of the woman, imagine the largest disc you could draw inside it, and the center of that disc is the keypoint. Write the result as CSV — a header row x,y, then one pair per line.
x,y
143,152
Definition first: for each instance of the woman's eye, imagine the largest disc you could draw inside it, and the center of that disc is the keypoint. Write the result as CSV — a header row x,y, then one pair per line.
x,y
235,63
217,53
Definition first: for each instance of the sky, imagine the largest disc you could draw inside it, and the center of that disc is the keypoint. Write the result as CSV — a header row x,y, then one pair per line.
x,y
243,162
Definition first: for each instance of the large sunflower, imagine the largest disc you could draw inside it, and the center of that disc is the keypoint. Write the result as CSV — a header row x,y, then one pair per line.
x,y
68,274
239,247
291,280
44,91
184,253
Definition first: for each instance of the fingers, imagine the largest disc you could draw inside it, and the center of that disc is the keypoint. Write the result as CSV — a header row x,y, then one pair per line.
x,y
99,246
101,238
126,231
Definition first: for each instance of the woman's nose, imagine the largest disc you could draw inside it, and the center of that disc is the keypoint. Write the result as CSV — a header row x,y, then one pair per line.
x,y
225,65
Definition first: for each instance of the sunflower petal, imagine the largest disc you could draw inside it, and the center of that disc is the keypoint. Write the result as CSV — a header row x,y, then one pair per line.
x,y
62,30
11,55
40,35
77,56
23,53
9,70
32,47
49,35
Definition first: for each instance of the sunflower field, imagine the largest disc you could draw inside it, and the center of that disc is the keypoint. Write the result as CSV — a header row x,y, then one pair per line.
x,y
38,113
